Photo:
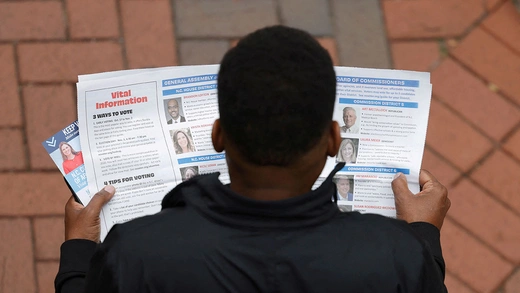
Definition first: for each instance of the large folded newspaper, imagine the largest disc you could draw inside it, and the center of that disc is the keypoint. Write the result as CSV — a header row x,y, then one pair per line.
x,y
145,131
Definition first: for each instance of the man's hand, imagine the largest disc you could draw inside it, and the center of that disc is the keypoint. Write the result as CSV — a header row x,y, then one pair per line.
x,y
83,222
430,205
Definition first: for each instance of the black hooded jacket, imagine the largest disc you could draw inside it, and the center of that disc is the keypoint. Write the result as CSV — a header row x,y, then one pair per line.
x,y
209,239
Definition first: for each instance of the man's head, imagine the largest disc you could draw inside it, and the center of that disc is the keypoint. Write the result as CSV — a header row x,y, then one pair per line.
x,y
349,116
276,93
173,108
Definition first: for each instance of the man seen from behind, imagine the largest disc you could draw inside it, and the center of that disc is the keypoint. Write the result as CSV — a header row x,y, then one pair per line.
x,y
267,231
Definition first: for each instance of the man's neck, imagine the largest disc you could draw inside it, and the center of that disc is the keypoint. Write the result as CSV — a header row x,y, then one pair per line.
x,y
271,183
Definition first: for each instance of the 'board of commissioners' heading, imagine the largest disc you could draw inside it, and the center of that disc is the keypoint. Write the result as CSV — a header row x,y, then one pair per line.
x,y
123,102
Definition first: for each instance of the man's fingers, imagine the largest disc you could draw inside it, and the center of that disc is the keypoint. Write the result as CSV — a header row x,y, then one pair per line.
x,y
100,199
400,186
68,205
72,205
425,177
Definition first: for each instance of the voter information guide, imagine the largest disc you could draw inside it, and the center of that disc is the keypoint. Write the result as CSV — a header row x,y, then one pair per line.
x,y
147,130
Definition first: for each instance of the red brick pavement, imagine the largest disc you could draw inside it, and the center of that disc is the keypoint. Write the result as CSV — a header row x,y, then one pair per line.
x,y
471,47
474,128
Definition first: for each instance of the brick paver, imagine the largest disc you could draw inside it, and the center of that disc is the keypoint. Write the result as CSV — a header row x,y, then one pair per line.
x,y
365,47
499,228
441,169
12,156
471,261
196,52
505,25
429,18
455,285
506,185
492,4
223,18
32,20
58,62
10,112
310,15
31,194
472,48
92,19
149,41
418,56
16,256
450,136
513,283
49,235
48,109
461,91
513,144
490,59
46,273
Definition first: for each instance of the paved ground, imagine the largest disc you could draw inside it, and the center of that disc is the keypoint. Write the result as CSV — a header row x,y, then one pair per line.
x,y
472,48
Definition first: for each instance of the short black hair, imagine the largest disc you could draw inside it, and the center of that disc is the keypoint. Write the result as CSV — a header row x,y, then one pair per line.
x,y
276,92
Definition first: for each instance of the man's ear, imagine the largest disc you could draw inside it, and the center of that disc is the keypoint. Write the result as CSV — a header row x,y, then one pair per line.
x,y
334,139
217,137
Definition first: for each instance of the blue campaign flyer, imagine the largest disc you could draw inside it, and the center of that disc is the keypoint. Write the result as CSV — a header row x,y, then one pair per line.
x,y
65,150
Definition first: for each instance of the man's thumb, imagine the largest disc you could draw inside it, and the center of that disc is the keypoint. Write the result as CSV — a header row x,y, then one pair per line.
x,y
100,199
400,186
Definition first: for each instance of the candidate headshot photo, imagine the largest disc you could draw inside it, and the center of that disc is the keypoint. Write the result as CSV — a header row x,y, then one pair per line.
x,y
189,172
349,120
344,187
71,158
174,111
348,151
182,141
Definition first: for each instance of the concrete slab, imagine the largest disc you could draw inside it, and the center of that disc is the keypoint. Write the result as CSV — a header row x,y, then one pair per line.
x,y
223,18
360,33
